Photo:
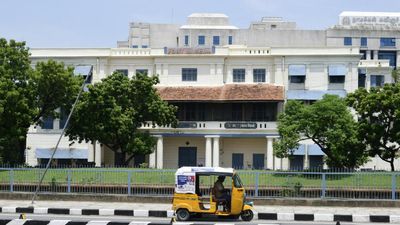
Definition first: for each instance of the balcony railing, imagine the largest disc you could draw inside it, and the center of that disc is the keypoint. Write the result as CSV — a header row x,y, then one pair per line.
x,y
217,125
130,51
373,63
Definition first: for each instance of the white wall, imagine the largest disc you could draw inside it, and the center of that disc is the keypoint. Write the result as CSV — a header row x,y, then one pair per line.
x,y
171,149
49,140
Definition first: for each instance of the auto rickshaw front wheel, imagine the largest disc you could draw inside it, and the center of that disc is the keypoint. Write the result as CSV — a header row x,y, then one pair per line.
x,y
247,215
182,215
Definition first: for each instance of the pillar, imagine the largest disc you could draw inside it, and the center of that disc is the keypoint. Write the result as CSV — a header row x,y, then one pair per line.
x,y
91,150
160,152
278,163
270,153
285,164
216,151
97,154
152,159
208,151
368,55
375,55
306,158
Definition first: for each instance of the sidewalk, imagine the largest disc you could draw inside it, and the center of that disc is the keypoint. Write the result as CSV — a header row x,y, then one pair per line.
x,y
279,213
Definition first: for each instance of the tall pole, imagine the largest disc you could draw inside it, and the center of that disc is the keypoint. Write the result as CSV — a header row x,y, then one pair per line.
x,y
59,139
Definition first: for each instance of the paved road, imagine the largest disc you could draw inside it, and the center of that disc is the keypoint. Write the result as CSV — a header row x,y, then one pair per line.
x,y
163,220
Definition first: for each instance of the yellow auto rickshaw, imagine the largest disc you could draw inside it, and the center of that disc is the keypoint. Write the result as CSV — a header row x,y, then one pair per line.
x,y
195,197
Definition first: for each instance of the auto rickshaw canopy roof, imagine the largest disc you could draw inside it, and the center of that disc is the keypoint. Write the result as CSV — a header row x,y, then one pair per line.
x,y
205,171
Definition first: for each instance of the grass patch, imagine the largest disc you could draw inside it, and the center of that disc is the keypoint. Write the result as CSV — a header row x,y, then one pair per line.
x,y
118,176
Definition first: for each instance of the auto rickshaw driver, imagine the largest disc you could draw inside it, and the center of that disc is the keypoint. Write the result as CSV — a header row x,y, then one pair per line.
x,y
221,194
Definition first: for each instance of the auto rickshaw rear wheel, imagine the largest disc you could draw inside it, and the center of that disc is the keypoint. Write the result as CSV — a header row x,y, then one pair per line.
x,y
247,215
182,215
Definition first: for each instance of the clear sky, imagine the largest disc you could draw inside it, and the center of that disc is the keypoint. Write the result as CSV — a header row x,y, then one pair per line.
x,y
100,23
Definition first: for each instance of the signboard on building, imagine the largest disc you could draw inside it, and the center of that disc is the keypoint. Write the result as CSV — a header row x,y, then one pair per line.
x,y
187,125
372,19
235,125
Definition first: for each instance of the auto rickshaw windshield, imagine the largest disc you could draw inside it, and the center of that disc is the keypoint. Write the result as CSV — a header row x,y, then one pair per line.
x,y
236,181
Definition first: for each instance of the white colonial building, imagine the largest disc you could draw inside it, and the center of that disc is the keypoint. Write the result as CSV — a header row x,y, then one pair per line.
x,y
229,85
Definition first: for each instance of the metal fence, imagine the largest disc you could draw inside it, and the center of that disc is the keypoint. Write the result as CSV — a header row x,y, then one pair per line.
x,y
258,184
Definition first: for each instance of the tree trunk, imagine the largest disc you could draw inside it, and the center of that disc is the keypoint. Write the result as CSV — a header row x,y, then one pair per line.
x,y
392,164
129,159
119,158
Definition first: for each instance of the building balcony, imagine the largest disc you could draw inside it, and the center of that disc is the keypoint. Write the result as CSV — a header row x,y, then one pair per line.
x,y
380,63
216,125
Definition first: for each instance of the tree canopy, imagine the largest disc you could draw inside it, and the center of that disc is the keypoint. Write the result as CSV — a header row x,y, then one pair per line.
x,y
28,94
112,111
329,124
378,112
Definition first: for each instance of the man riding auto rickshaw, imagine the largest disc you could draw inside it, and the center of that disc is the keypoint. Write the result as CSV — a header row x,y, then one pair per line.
x,y
224,201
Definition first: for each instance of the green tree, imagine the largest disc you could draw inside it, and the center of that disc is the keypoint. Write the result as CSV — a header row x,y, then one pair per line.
x,y
396,75
329,124
113,110
56,86
378,112
28,94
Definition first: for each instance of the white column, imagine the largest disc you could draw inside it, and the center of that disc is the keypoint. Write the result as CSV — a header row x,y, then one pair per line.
x,y
91,150
375,55
208,151
97,154
368,55
285,164
278,163
152,159
306,158
160,152
270,153
216,151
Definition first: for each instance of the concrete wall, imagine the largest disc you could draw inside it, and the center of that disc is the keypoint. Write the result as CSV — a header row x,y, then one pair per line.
x,y
49,140
247,146
171,149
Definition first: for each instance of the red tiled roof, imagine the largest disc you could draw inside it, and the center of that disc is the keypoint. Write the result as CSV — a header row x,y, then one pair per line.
x,y
228,92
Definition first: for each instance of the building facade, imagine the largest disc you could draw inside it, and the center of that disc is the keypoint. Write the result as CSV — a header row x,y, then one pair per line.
x,y
229,85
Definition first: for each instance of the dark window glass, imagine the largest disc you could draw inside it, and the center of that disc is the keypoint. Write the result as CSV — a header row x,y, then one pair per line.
x,y
377,80
230,40
388,42
258,75
189,74
135,46
363,54
239,75
364,42
259,112
237,112
186,39
142,71
47,123
122,71
145,46
190,112
202,40
390,55
215,40
297,79
361,80
347,41
336,79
